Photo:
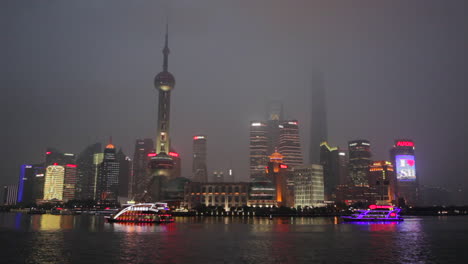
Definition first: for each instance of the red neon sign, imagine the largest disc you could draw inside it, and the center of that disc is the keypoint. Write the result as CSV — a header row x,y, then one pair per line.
x,y
174,154
405,144
374,206
282,166
48,153
55,164
152,154
71,165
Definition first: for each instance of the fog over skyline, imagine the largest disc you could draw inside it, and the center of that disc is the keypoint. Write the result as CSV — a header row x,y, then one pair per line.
x,y
74,73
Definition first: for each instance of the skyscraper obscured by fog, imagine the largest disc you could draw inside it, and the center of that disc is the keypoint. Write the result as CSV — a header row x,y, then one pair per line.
x,y
330,160
125,166
199,166
359,162
86,171
138,180
289,143
318,122
274,119
403,158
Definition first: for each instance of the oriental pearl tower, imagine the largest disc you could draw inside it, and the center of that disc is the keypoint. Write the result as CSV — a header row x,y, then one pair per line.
x,y
161,165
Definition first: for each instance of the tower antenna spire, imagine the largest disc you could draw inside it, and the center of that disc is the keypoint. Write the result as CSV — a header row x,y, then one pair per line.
x,y
166,50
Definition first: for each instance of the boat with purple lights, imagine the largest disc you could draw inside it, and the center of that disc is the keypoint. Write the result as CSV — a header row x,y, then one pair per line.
x,y
158,213
375,213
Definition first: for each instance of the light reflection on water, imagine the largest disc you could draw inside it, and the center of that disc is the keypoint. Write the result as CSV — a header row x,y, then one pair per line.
x,y
89,239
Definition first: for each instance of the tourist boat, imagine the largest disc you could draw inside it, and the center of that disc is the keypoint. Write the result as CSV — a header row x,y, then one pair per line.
x,y
375,213
143,213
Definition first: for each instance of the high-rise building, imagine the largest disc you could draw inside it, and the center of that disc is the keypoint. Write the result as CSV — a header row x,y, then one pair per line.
x,y
53,185
161,165
308,185
98,158
10,194
343,167
26,184
330,161
125,165
108,179
139,178
289,143
275,117
258,148
199,167
86,172
177,165
403,158
359,162
318,124
69,182
277,172
382,178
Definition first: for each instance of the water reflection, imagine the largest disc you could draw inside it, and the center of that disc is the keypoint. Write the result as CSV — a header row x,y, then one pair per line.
x,y
89,239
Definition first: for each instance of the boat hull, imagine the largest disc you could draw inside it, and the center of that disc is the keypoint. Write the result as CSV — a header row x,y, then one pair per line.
x,y
351,219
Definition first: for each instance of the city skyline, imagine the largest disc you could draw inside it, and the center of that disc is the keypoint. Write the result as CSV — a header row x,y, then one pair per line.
x,y
78,92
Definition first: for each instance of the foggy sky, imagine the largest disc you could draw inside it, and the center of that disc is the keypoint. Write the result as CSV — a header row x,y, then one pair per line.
x,y
76,72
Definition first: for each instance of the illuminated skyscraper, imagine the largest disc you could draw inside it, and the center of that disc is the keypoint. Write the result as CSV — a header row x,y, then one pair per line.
x,y
69,182
108,178
359,162
139,178
277,172
289,143
403,158
382,178
53,186
199,168
10,194
25,184
162,164
258,148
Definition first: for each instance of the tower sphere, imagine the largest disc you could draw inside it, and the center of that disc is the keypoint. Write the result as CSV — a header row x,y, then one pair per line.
x,y
164,81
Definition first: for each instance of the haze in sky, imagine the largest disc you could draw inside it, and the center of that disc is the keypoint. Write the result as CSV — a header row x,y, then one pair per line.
x,y
76,72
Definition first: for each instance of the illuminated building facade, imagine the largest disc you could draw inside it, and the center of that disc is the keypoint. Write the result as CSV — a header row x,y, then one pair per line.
x,y
258,148
277,173
403,158
98,158
359,162
53,185
308,185
382,178
226,194
108,179
330,161
262,193
139,178
69,182
289,144
86,171
199,167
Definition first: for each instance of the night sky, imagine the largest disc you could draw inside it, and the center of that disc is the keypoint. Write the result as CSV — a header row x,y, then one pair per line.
x,y
73,73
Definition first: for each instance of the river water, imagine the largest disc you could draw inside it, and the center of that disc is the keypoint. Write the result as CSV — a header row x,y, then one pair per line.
x,y
89,239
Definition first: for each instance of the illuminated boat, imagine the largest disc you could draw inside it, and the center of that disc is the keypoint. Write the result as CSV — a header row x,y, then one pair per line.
x,y
375,213
143,213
